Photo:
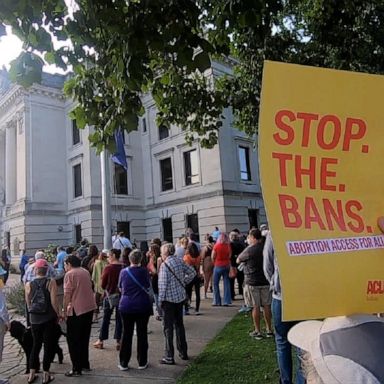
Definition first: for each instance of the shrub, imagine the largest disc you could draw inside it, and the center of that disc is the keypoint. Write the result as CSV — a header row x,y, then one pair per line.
x,y
16,298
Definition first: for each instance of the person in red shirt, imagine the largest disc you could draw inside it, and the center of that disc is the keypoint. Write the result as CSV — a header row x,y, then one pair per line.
x,y
109,282
221,256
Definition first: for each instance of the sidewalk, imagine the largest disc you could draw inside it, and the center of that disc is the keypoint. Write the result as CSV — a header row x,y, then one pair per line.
x,y
199,331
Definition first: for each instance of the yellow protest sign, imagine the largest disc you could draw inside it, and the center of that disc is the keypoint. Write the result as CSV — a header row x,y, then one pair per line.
x,y
321,147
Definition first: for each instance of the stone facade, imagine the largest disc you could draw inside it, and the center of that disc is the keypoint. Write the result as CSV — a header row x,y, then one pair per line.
x,y
40,159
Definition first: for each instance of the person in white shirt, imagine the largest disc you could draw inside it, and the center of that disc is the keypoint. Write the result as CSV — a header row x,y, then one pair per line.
x,y
122,242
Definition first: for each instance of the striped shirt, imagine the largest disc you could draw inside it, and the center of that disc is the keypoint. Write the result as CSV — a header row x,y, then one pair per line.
x,y
170,288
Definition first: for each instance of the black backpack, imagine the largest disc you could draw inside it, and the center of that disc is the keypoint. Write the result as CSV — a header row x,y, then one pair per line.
x,y
40,300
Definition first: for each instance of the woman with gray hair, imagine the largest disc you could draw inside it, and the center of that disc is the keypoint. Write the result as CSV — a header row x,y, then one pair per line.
x,y
135,308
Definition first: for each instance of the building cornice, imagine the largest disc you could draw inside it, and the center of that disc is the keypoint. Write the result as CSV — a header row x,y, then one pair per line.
x,y
16,94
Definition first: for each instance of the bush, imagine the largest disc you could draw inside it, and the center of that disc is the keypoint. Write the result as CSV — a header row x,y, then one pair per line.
x,y
16,298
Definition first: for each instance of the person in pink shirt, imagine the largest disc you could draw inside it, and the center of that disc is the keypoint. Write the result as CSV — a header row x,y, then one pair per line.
x,y
79,304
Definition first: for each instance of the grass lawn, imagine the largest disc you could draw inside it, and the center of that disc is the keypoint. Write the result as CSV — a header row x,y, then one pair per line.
x,y
234,357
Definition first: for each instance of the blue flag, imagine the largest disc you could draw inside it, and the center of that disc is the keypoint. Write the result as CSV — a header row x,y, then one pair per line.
x,y
119,157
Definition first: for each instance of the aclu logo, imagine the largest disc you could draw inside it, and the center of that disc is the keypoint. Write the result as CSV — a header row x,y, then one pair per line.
x,y
375,287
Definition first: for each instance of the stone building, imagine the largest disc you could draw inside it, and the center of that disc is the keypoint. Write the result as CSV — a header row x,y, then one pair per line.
x,y
50,183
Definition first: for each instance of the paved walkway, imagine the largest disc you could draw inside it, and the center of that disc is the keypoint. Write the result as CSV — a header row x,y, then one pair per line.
x,y
199,330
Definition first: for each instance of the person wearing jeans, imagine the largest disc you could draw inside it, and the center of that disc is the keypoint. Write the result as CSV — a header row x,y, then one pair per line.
x,y
109,282
219,272
283,346
107,314
221,256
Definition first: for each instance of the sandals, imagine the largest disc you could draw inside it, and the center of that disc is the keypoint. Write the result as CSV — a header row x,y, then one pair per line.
x,y
50,378
72,374
34,378
98,344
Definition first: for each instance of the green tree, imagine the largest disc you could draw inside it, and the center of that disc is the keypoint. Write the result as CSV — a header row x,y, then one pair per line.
x,y
120,49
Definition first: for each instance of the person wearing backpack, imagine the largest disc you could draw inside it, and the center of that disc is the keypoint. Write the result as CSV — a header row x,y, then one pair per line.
x,y
40,296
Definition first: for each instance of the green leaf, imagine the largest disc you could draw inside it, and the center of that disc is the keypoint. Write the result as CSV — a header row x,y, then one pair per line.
x,y
49,57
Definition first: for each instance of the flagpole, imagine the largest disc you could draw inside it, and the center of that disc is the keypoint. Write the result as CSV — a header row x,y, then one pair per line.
x,y
106,200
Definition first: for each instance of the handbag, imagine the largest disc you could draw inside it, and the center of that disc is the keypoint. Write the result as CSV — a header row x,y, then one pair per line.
x,y
232,272
113,299
148,291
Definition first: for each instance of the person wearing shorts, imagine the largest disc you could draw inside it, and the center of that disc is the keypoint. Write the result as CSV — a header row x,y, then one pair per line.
x,y
257,293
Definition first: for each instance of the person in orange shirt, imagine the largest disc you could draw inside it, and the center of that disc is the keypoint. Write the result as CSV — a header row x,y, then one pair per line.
x,y
192,258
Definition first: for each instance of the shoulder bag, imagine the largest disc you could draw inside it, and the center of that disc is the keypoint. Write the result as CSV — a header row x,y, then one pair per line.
x,y
148,291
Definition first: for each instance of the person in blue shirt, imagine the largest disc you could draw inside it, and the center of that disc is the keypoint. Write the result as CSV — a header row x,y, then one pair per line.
x,y
215,234
23,262
59,263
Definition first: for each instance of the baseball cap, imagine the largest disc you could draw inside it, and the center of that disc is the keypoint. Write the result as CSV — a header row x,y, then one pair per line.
x,y
344,349
41,263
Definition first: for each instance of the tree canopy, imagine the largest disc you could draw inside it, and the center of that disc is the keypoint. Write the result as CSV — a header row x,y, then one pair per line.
x,y
120,49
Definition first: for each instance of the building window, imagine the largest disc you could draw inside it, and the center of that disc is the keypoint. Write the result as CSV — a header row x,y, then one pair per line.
x,y
163,132
167,230
245,171
253,218
78,190
121,180
144,124
78,237
75,133
193,223
124,226
191,167
166,174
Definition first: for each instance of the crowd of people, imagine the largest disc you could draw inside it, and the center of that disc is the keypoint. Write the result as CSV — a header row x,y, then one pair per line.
x,y
159,279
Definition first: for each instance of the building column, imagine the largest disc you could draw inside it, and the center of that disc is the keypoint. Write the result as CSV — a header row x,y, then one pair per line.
x,y
10,163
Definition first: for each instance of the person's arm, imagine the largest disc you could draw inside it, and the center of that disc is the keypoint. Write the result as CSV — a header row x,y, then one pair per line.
x,y
52,287
27,290
105,278
244,256
162,282
268,258
213,255
68,292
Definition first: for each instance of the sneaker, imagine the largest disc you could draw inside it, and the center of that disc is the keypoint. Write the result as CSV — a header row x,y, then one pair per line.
x,y
122,368
143,366
183,357
245,309
186,313
269,335
197,313
167,361
256,335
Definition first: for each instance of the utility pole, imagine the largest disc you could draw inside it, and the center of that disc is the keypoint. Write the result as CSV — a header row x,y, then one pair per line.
x,y
106,200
